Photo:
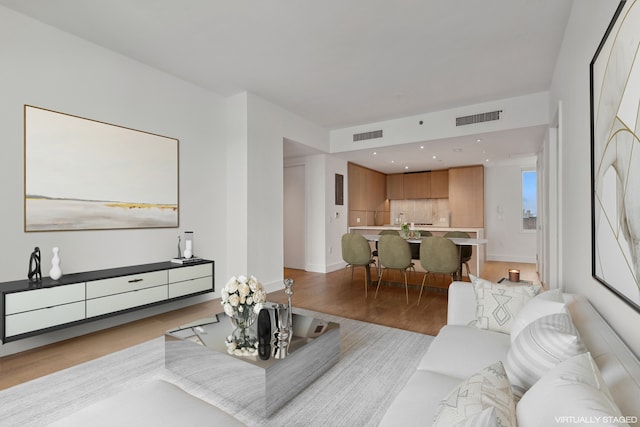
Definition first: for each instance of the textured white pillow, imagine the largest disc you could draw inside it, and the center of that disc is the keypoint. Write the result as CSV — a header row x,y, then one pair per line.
x,y
486,418
544,303
574,388
485,389
540,346
497,304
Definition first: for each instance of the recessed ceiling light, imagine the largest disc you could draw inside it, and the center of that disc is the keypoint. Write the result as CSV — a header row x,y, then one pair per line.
x,y
374,153
406,167
422,147
478,140
393,161
486,160
434,157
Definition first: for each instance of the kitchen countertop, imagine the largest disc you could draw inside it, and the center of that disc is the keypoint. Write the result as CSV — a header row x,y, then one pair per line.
x,y
478,231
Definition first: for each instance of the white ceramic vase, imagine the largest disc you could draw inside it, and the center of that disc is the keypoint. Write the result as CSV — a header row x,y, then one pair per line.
x,y
188,251
56,271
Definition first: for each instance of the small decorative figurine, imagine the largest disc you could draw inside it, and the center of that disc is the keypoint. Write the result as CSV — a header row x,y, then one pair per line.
x,y
283,330
35,273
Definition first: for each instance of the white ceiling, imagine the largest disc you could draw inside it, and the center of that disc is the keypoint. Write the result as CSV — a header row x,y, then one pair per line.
x,y
337,63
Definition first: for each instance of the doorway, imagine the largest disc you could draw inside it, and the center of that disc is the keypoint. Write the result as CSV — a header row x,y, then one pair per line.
x,y
294,217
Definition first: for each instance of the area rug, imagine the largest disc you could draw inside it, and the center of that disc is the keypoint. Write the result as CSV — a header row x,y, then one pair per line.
x,y
375,363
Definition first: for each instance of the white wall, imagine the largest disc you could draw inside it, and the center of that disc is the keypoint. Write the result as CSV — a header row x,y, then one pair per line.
x,y
268,125
338,215
587,24
503,190
48,68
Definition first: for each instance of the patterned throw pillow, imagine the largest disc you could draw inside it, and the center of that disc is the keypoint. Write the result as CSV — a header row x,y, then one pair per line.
x,y
488,388
497,304
539,347
486,418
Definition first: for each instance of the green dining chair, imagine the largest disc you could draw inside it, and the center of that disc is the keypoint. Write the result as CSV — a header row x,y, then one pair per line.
x,y
383,233
465,250
394,253
438,255
356,252
415,247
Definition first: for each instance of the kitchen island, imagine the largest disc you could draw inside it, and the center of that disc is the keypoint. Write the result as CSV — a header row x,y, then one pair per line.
x,y
476,263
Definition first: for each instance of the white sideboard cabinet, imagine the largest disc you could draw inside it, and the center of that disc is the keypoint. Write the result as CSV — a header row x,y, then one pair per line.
x,y
30,309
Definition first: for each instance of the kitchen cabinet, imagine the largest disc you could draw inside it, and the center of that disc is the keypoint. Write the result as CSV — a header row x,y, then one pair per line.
x,y
466,196
368,204
376,190
357,176
395,186
440,184
417,185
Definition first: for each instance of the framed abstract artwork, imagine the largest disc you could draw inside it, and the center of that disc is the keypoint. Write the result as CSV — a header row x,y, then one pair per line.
x,y
615,155
83,174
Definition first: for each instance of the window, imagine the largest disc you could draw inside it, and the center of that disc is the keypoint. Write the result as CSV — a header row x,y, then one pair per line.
x,y
529,200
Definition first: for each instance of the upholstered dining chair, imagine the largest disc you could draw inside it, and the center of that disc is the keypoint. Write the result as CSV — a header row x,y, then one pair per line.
x,y
394,253
375,251
438,255
356,252
415,247
465,250
383,233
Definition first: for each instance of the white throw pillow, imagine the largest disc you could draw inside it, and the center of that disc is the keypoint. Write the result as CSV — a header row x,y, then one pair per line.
x,y
486,418
540,346
485,389
544,303
571,393
498,303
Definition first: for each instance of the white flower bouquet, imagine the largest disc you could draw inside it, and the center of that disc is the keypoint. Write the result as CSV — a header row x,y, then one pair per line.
x,y
242,299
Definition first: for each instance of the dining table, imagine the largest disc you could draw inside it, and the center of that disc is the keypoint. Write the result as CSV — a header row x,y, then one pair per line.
x,y
459,241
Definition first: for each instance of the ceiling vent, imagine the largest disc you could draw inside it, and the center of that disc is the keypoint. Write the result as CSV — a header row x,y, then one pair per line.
x,y
367,135
478,118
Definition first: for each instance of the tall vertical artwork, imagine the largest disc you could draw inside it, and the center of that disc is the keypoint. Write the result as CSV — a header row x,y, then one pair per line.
x,y
83,174
615,155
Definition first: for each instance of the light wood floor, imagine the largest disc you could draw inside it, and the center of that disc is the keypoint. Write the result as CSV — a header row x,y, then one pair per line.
x,y
313,291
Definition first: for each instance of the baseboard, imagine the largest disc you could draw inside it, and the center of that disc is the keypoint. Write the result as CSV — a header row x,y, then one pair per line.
x,y
328,268
511,258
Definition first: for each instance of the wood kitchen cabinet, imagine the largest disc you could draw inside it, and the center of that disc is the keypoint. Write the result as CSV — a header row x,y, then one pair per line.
x,y
420,185
466,196
367,196
376,190
395,186
357,176
440,184
417,185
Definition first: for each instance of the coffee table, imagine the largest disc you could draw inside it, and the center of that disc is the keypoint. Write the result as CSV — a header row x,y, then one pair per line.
x,y
197,351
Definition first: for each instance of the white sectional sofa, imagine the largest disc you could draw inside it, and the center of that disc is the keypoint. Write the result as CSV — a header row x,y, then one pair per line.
x,y
461,349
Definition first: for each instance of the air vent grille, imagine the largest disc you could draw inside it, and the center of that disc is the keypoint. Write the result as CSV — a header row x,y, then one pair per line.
x,y
367,135
478,118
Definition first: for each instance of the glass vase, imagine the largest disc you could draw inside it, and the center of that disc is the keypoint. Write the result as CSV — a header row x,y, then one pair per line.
x,y
244,336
